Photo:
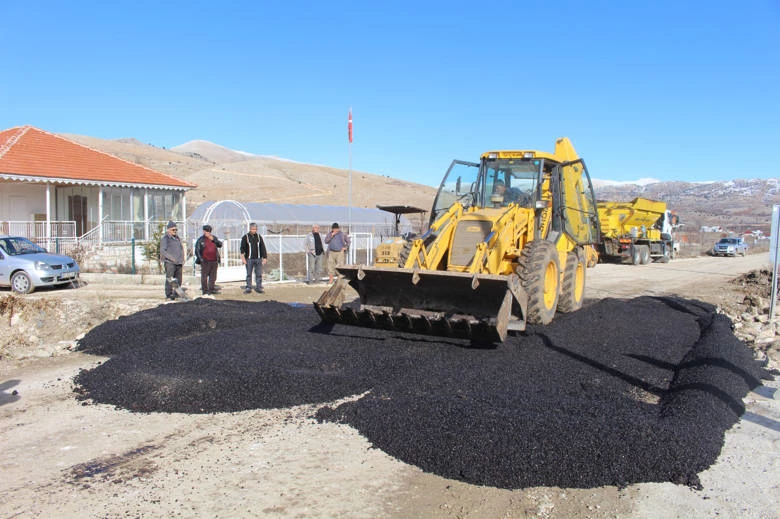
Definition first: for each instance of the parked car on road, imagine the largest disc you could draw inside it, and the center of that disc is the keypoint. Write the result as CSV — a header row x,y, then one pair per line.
x,y
730,247
25,266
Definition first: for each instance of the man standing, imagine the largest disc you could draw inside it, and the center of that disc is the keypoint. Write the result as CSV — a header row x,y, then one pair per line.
x,y
338,243
207,256
254,256
172,256
315,253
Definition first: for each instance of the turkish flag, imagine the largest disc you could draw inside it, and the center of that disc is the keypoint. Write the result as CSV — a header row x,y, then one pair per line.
x,y
349,126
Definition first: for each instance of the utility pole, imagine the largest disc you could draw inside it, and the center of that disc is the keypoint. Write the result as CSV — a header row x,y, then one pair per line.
x,y
773,256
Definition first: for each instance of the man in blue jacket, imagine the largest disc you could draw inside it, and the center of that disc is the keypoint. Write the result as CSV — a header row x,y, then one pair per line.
x,y
338,243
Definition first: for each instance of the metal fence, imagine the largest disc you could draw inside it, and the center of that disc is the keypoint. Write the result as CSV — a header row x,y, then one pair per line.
x,y
287,258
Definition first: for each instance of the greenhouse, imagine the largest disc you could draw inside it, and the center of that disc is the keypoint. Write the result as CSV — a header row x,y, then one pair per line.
x,y
284,228
231,219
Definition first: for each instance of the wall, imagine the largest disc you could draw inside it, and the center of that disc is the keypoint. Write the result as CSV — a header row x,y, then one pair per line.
x,y
19,201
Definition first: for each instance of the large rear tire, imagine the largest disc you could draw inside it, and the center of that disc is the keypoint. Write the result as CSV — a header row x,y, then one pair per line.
x,y
636,255
573,289
644,252
539,271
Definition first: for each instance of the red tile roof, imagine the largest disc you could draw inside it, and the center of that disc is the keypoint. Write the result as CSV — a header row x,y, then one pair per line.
x,y
29,152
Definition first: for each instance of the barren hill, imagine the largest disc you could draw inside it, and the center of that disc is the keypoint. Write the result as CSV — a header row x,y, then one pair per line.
x,y
223,174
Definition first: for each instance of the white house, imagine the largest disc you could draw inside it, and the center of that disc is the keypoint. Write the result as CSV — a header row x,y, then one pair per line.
x,y
52,188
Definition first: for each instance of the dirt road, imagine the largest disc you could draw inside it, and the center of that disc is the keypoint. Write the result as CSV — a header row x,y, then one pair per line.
x,y
64,459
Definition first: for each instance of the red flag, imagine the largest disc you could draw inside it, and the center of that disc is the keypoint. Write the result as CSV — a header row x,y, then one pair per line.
x,y
349,126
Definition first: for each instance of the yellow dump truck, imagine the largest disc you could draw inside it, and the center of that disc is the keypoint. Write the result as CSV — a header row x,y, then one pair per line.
x,y
637,232
505,247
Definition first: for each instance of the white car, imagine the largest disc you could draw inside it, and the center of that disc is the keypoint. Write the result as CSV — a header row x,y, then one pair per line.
x,y
25,266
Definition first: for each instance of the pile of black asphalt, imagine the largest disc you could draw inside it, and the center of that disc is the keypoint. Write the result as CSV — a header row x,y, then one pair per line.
x,y
620,392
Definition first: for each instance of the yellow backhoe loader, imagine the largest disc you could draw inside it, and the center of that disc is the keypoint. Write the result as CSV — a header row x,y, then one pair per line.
x,y
505,247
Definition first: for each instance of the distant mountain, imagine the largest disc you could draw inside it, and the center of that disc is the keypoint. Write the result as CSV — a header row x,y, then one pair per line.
x,y
737,205
641,182
225,174
211,152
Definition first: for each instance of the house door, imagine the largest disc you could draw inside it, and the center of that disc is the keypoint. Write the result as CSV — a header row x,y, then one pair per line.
x,y
77,211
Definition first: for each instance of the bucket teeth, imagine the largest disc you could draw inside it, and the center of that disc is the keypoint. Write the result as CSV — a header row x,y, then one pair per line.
x,y
470,306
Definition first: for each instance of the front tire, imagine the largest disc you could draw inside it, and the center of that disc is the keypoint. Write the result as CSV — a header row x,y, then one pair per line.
x,y
21,283
539,271
573,289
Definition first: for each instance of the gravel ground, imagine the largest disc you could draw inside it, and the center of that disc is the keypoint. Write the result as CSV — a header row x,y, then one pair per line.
x,y
603,396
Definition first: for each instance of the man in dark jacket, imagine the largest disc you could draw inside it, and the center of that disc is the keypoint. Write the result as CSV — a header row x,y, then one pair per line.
x,y
207,256
172,256
254,256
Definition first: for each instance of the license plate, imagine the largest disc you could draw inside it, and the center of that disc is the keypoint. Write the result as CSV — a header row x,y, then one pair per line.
x,y
68,275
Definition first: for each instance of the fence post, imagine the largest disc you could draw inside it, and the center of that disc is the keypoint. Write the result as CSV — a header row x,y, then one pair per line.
x,y
132,255
281,259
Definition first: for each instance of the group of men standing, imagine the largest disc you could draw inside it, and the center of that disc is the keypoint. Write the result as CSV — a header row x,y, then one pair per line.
x,y
337,244
253,255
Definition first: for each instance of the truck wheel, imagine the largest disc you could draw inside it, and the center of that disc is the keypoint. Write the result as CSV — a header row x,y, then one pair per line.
x,y
573,289
636,255
667,255
21,283
644,252
539,272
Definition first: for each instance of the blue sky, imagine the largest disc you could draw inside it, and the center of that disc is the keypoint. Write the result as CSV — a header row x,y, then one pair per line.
x,y
666,89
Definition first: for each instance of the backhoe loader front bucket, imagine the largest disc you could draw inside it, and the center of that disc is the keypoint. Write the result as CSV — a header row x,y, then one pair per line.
x,y
480,307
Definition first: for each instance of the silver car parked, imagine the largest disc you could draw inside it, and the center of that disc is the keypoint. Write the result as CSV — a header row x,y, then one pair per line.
x,y
25,266
730,247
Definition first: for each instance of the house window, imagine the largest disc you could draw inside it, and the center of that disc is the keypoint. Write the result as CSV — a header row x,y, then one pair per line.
x,y
164,206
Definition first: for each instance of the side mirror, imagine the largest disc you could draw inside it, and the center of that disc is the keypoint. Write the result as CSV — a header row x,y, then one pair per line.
x,y
542,204
457,185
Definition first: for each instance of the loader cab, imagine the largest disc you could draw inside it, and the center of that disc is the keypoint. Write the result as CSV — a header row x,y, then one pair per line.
x,y
480,184
512,181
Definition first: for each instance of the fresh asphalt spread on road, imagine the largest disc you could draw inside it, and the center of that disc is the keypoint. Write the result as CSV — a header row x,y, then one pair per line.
x,y
620,392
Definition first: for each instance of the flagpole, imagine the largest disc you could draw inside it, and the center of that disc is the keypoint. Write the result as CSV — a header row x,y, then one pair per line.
x,y
349,195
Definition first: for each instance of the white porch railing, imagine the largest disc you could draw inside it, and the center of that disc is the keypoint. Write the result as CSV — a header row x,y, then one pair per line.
x,y
37,229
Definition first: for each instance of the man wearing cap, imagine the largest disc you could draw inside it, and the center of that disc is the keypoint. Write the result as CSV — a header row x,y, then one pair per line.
x,y
254,256
207,256
338,243
172,256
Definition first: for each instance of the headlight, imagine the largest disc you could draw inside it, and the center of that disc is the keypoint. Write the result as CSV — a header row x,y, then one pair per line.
x,y
41,265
